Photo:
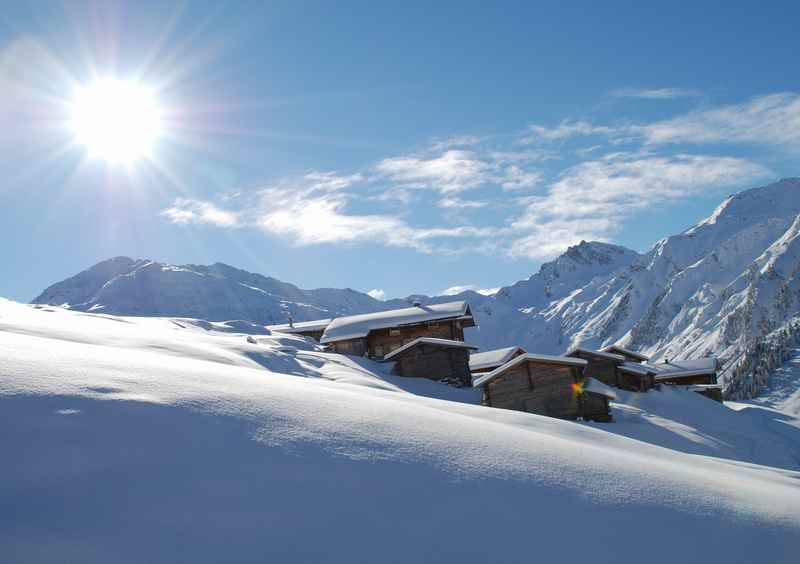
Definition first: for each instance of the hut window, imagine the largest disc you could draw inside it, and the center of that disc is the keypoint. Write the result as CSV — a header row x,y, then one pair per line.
x,y
394,332
379,351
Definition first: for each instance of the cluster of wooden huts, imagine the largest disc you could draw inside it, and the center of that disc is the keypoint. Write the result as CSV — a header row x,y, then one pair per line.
x,y
427,341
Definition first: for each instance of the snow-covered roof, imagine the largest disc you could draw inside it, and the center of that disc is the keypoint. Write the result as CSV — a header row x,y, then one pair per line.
x,y
703,387
543,358
597,387
430,341
301,326
602,354
685,368
637,368
625,352
357,326
493,358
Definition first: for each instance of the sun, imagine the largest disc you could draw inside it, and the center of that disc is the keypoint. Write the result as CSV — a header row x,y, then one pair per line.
x,y
116,120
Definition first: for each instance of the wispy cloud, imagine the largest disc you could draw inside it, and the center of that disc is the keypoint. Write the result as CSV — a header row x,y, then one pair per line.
x,y
565,130
591,200
654,93
510,194
186,211
460,204
766,120
450,172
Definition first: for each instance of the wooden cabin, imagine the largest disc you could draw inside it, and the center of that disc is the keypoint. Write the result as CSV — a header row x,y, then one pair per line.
x,y
545,385
312,329
434,359
698,371
378,334
630,356
615,370
635,376
482,362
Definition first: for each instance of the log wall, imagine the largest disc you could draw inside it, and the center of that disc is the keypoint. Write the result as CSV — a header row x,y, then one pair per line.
x,y
383,341
435,363
700,379
545,389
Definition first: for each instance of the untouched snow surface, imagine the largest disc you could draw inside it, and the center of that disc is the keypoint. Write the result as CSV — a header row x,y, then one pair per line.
x,y
174,440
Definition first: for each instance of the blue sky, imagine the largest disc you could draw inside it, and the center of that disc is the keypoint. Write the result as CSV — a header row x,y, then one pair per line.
x,y
405,147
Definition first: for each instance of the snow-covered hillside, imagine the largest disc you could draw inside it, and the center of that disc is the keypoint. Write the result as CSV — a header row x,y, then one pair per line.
x,y
163,440
713,289
124,286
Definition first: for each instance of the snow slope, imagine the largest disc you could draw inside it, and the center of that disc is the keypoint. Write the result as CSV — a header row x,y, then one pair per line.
x,y
177,440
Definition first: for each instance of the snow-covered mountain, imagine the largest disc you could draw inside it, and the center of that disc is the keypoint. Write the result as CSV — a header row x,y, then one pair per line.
x,y
217,292
718,288
133,439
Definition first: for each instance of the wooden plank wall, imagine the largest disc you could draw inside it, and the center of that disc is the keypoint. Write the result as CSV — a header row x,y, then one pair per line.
x,y
435,363
545,389
381,342
701,379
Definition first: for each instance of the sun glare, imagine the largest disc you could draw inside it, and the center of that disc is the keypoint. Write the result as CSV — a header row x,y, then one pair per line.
x,y
116,120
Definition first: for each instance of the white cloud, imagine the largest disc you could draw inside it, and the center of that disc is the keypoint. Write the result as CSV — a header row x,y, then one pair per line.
x,y
451,172
377,294
453,290
459,204
768,120
654,93
591,200
564,130
185,211
311,213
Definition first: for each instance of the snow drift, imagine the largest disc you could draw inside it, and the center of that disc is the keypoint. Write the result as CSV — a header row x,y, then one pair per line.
x,y
165,440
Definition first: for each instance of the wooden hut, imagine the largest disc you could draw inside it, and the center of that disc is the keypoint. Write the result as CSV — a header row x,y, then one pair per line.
x,y
434,359
482,362
630,355
698,371
635,376
378,334
545,385
615,370
313,329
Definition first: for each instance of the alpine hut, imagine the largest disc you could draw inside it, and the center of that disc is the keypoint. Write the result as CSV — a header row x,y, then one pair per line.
x,y
435,359
546,385
615,369
698,375
378,334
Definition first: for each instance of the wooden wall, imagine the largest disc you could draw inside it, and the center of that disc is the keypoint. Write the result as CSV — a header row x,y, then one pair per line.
x,y
636,382
595,407
383,341
545,389
602,369
356,347
435,363
700,379
316,335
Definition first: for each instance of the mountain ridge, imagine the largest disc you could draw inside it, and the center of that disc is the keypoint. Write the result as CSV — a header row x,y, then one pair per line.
x,y
714,288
